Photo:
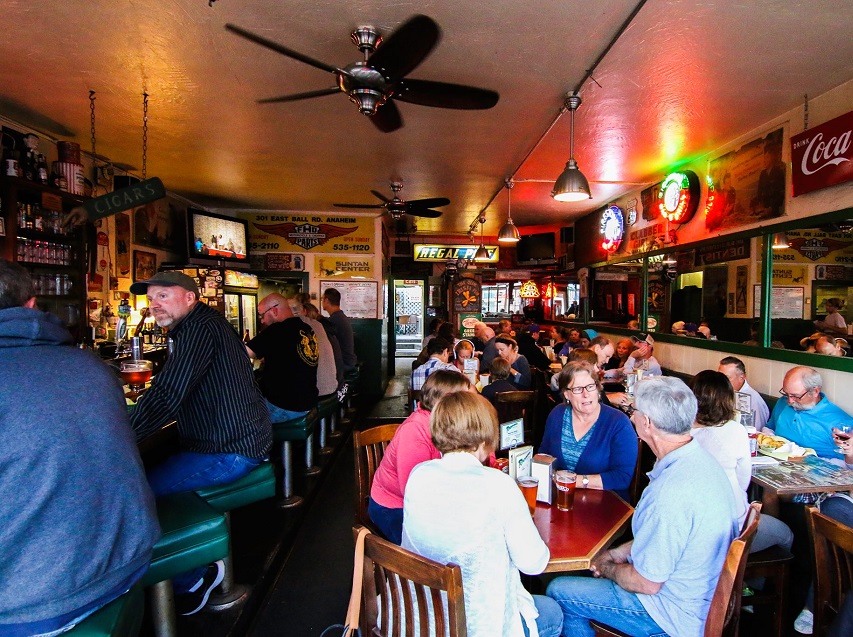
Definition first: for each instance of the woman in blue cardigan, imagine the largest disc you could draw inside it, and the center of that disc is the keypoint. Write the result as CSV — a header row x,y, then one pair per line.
x,y
595,441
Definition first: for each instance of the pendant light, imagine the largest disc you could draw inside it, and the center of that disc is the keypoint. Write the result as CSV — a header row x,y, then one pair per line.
x,y
509,233
780,241
571,185
482,254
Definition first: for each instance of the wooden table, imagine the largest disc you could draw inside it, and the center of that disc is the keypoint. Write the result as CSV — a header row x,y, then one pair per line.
x,y
575,537
810,475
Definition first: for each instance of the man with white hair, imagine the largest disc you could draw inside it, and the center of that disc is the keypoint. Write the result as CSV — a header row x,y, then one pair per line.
x,y
735,371
487,336
805,415
663,580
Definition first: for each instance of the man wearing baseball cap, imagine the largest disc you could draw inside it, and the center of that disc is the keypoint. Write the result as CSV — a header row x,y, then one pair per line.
x,y
208,387
642,358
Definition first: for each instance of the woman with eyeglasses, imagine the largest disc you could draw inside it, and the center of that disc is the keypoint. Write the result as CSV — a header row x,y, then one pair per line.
x,y
595,441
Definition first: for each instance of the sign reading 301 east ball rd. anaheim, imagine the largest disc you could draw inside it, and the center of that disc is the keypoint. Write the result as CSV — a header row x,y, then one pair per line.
x,y
822,156
301,232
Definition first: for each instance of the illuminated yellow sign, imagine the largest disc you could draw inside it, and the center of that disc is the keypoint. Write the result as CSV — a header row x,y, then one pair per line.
x,y
438,252
302,232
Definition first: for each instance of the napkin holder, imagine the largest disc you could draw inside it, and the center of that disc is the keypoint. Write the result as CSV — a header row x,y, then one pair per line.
x,y
543,468
520,462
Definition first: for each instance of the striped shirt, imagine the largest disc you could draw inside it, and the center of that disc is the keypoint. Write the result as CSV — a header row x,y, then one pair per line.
x,y
207,385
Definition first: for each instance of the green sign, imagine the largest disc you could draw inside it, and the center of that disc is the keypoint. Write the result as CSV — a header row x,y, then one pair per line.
x,y
125,198
466,324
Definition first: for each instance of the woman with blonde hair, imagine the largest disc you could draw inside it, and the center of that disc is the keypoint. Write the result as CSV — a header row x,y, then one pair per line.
x,y
411,445
458,510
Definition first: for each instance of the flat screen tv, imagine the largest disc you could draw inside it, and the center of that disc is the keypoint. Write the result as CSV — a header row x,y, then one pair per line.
x,y
217,237
536,249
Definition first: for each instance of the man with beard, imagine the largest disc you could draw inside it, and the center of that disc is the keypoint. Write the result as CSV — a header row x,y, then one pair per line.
x,y
805,415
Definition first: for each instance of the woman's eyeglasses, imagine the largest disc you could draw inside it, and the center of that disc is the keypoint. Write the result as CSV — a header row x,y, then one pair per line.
x,y
579,390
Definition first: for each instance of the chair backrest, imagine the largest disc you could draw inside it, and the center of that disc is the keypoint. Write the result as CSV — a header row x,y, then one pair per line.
x,y
414,398
369,446
724,614
516,404
406,586
832,545
635,489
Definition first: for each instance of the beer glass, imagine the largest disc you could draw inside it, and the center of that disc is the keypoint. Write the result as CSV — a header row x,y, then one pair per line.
x,y
529,486
565,481
136,374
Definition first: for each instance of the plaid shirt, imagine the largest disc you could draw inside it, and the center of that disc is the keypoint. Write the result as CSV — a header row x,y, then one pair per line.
x,y
420,374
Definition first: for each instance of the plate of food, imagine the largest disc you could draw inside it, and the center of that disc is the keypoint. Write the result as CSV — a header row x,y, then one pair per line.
x,y
782,448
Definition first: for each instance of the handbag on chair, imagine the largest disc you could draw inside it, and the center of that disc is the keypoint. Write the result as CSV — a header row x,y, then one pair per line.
x,y
350,626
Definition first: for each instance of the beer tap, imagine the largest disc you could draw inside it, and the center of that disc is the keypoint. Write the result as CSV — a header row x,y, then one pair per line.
x,y
121,327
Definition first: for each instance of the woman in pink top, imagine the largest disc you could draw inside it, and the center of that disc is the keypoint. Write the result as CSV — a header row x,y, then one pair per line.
x,y
411,445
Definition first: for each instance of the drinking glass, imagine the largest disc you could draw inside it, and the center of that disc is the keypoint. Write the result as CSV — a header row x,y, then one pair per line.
x,y
529,486
136,373
565,481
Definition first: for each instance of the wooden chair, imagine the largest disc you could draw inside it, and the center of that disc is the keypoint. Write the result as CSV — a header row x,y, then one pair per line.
x,y
832,545
369,446
517,404
724,614
773,564
414,399
635,488
405,585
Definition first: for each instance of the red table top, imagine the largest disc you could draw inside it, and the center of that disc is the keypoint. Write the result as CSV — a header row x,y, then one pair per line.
x,y
575,537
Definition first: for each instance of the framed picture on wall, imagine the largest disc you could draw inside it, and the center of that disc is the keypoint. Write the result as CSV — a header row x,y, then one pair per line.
x,y
144,265
2,227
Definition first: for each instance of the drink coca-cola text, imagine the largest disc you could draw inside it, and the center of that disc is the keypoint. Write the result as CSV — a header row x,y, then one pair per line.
x,y
820,154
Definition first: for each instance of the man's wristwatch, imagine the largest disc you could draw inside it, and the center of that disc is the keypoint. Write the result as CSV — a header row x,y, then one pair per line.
x,y
585,482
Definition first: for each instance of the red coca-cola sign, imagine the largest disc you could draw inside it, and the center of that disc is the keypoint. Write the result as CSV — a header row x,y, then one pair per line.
x,y
823,156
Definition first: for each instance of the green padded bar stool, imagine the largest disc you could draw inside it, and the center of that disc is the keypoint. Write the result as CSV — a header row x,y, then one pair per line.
x,y
327,408
286,433
350,378
122,617
194,534
258,485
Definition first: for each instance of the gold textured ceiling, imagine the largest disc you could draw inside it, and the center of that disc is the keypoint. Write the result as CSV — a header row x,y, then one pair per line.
x,y
685,78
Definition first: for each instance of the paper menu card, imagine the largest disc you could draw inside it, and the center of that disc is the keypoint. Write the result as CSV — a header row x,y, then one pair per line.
x,y
520,462
512,433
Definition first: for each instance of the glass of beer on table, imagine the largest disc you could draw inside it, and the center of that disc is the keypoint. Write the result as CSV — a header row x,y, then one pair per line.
x,y
529,486
136,373
565,482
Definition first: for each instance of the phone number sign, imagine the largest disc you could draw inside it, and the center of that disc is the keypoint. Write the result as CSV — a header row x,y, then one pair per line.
x,y
299,232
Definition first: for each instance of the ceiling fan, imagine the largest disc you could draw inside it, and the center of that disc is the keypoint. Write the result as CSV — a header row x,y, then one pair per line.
x,y
380,78
396,207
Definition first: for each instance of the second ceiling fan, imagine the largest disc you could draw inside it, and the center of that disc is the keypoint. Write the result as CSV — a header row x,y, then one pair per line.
x,y
396,207
380,78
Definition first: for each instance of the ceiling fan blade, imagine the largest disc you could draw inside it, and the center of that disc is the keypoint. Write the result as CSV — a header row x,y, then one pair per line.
x,y
434,202
387,118
402,51
380,196
358,205
445,95
424,212
300,96
278,48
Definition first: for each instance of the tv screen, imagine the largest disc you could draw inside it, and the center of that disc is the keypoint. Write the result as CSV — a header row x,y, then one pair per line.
x,y
536,249
217,237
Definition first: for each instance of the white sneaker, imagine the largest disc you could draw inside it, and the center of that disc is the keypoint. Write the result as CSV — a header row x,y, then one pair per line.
x,y
804,624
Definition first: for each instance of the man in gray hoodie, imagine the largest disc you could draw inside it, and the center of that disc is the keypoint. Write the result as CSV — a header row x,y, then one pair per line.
x,y
78,517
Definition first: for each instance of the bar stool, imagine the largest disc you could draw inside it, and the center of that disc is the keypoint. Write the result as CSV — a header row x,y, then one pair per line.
x,y
122,617
258,485
286,433
351,379
194,534
327,408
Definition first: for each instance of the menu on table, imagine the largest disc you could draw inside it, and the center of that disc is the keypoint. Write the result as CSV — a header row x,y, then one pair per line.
x,y
811,473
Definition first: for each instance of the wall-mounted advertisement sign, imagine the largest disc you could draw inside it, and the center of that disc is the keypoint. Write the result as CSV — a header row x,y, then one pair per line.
x,y
358,298
344,267
466,296
721,252
440,252
822,156
816,246
300,232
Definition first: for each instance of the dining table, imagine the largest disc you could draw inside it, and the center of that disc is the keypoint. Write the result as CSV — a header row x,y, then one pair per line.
x,y
808,475
576,537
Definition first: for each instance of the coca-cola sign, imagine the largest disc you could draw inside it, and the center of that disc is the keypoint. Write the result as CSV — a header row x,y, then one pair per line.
x,y
823,156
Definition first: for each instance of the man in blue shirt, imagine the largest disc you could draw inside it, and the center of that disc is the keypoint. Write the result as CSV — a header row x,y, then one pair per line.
x,y
805,415
664,579
439,355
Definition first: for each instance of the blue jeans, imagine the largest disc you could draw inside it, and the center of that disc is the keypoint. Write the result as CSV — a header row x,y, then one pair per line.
x,y
550,620
388,521
280,414
188,471
585,598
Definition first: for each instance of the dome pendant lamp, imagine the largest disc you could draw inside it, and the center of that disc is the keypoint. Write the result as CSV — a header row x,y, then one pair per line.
x,y
571,185
482,254
509,233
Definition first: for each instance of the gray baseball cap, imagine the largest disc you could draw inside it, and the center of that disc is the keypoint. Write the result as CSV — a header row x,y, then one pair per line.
x,y
165,279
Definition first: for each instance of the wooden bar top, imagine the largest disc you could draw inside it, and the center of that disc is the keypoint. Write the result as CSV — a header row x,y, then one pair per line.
x,y
575,537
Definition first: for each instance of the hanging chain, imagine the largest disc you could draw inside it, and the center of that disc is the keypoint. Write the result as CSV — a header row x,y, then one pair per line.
x,y
144,135
94,153
806,112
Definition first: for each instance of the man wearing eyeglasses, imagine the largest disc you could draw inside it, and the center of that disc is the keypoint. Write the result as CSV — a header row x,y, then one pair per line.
x,y
805,415
291,352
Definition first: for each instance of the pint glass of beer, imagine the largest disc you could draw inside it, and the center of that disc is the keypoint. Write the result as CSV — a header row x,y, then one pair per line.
x,y
565,483
529,486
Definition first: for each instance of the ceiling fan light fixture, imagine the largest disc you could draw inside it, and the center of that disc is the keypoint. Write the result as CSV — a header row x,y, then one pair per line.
x,y
571,185
367,99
